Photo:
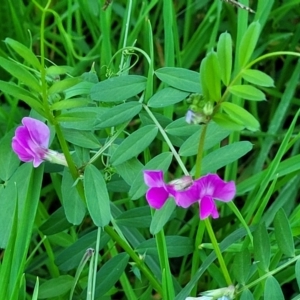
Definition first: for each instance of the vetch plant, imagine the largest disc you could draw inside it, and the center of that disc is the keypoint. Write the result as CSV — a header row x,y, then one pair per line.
x,y
31,142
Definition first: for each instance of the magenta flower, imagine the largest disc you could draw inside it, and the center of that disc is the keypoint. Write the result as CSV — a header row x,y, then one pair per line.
x,y
182,190
185,191
31,143
212,187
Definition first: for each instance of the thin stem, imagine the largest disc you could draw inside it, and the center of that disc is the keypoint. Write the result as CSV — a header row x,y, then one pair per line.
x,y
139,262
200,151
218,251
167,140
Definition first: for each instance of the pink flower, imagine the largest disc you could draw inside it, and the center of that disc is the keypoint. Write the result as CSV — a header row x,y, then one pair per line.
x,y
185,191
182,189
211,187
31,143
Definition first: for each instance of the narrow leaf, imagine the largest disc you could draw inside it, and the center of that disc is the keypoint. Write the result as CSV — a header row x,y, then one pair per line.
x,y
110,273
224,52
240,115
24,52
96,194
241,266
212,76
134,144
272,289
283,234
262,248
166,97
21,73
258,77
179,78
248,92
248,43
72,203
224,156
118,114
117,89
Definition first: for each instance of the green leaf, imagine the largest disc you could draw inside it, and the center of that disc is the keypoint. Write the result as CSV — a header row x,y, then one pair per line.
x,y
24,52
248,92
72,203
85,139
134,144
159,162
224,52
22,94
241,266
117,89
262,248
55,287
283,234
70,257
166,97
118,114
57,222
110,273
129,169
138,217
240,115
162,216
179,78
226,122
257,77
248,43
96,195
272,289
212,76
70,103
224,156
205,91
247,295
177,246
63,85
180,127
214,135
21,73
9,161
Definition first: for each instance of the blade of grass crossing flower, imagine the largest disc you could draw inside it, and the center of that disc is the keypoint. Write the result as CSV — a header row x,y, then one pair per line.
x,y
270,171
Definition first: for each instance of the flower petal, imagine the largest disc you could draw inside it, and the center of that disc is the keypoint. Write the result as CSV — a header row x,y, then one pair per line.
x,y
207,207
157,196
184,198
39,132
154,178
214,186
